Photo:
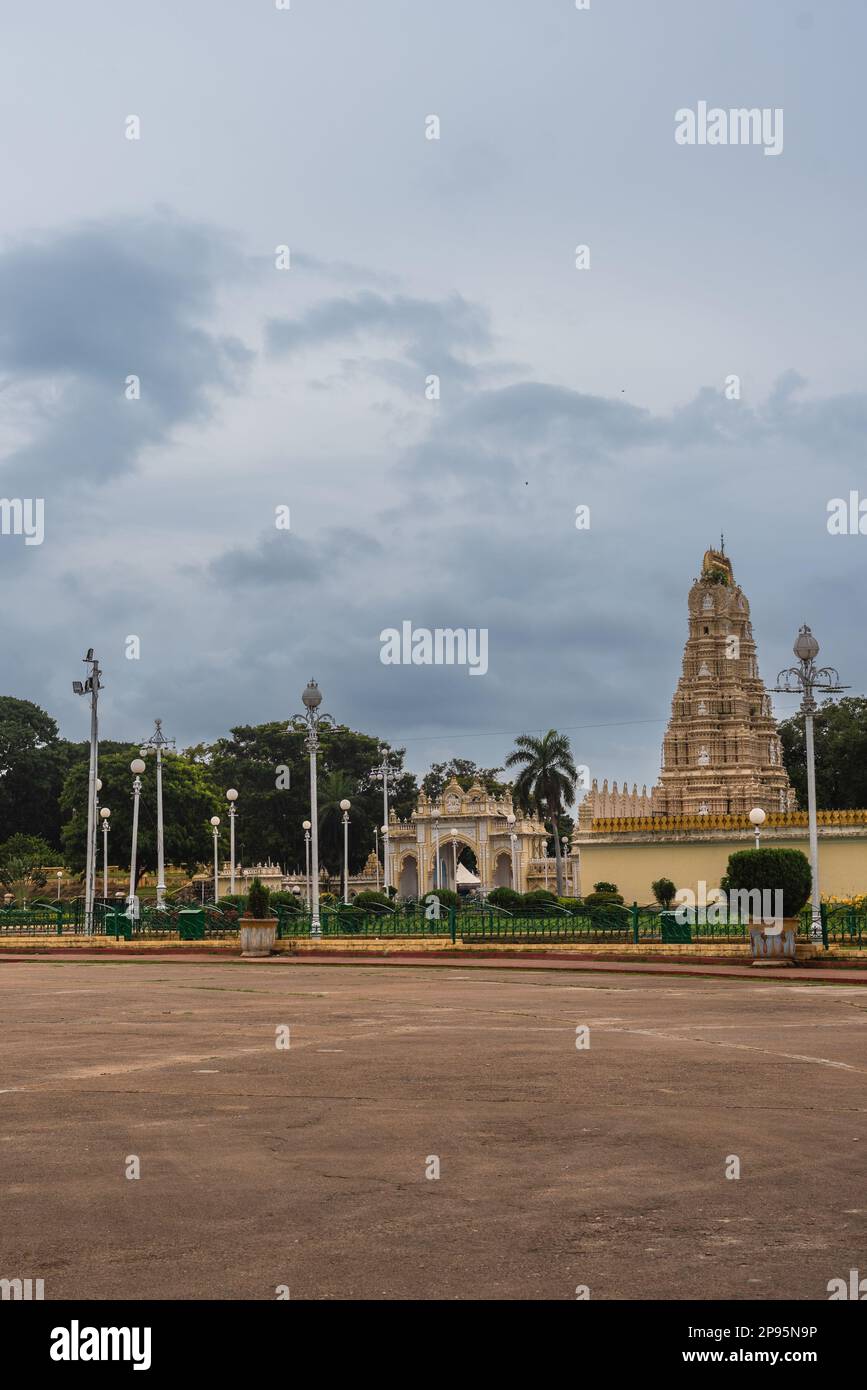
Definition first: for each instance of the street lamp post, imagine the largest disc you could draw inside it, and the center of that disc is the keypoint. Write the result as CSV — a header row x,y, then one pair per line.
x,y
804,680
156,744
215,822
435,817
376,853
757,820
344,806
91,686
59,880
231,797
383,830
136,767
306,825
104,814
312,698
513,840
454,838
381,774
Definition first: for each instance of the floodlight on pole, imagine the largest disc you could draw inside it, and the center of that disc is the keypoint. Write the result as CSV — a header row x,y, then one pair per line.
x,y
312,698
91,686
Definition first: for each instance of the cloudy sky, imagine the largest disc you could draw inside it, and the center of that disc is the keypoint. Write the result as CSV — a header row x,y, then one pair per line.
x,y
411,257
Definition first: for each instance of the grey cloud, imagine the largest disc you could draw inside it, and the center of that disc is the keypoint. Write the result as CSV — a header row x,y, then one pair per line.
x,y
430,330
85,309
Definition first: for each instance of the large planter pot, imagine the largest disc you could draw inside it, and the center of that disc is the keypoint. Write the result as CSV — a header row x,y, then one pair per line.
x,y
258,935
782,948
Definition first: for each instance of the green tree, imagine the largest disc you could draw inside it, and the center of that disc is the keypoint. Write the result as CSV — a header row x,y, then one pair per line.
x,y
33,762
23,859
546,782
271,816
190,798
840,737
466,773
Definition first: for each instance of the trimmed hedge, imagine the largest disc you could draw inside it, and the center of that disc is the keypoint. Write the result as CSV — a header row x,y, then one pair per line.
x,y
784,869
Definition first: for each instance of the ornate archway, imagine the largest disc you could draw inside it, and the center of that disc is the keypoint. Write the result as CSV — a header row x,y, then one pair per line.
x,y
481,823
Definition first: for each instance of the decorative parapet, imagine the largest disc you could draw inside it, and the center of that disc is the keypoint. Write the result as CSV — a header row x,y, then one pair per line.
x,y
611,825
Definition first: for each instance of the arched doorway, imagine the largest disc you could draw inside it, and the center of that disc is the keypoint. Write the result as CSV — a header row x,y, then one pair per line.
x,y
503,871
408,883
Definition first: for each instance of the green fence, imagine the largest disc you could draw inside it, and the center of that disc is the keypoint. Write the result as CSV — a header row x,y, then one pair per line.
x,y
844,926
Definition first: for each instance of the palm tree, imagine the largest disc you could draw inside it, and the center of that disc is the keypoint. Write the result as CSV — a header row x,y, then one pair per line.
x,y
546,782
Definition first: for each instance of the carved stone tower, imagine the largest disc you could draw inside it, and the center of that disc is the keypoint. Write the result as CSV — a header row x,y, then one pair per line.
x,y
721,753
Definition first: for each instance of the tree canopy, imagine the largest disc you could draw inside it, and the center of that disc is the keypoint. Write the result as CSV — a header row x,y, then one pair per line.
x,y
840,738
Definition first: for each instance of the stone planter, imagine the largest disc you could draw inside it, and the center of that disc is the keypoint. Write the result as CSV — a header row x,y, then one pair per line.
x,y
785,948
258,935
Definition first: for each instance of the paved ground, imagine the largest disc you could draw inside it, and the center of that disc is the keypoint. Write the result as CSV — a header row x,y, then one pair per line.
x,y
306,1167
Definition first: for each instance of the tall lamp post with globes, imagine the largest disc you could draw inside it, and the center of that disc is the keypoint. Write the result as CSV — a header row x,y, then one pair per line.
x,y
435,817
344,806
136,767
757,820
156,743
104,815
312,698
383,830
805,679
513,840
215,822
306,827
380,772
231,797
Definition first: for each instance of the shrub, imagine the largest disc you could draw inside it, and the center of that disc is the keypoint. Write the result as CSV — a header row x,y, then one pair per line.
x,y
573,904
293,902
603,899
664,891
605,888
236,900
505,897
784,869
536,903
370,900
327,899
258,899
447,896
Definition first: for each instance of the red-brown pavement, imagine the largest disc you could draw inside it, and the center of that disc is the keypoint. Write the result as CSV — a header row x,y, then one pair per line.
x,y
264,1166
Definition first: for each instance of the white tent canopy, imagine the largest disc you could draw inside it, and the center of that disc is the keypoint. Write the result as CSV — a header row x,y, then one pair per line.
x,y
465,877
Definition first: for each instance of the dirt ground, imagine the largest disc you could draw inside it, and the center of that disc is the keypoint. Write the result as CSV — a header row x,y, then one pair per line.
x,y
304,1168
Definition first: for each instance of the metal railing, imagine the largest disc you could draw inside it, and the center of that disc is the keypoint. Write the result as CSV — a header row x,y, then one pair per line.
x,y
842,925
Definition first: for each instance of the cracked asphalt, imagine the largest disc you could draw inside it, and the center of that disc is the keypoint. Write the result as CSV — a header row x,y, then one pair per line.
x,y
304,1168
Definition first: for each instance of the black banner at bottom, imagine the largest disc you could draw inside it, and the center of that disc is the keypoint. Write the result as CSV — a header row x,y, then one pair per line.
x,y
158,1339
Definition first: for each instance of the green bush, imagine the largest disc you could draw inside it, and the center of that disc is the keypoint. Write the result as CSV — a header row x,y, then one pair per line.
x,y
606,888
664,891
293,902
537,903
504,897
784,869
236,900
447,896
370,900
603,899
573,904
327,899
258,900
